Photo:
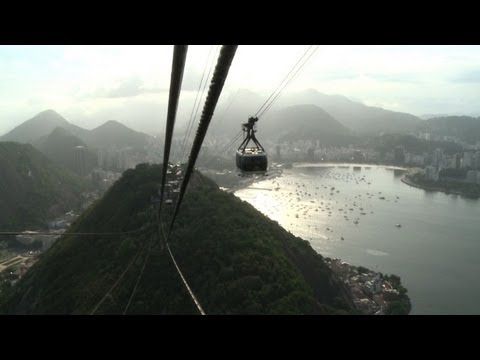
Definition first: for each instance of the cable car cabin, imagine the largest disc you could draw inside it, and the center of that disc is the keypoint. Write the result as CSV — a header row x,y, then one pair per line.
x,y
251,160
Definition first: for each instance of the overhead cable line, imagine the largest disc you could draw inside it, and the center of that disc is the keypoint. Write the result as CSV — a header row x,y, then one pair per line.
x,y
288,82
176,150
178,65
71,233
138,279
94,310
225,59
281,83
230,104
170,124
109,291
190,292
196,105
228,145
275,94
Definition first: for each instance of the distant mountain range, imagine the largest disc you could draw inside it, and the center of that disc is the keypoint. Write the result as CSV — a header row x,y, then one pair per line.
x,y
356,116
110,134
41,125
353,115
33,190
432,116
73,147
304,122
307,115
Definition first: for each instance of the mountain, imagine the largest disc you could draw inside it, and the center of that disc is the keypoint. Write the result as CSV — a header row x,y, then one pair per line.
x,y
67,150
431,116
303,122
234,110
359,117
466,128
113,133
454,114
412,144
41,125
110,134
236,260
32,189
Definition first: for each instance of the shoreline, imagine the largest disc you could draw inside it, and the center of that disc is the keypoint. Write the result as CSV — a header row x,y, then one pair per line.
x,y
231,182
252,180
372,291
409,182
342,164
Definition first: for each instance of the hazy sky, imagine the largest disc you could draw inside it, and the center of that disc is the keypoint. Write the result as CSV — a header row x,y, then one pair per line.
x,y
91,84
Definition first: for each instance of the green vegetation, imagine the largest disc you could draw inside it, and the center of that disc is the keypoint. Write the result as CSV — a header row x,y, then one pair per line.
x,y
67,150
236,260
32,189
402,306
454,173
410,143
362,270
465,128
395,281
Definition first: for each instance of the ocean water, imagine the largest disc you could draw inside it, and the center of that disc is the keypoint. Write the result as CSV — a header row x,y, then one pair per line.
x,y
366,216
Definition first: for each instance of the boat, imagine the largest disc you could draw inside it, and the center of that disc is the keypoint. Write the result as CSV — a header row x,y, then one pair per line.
x,y
398,225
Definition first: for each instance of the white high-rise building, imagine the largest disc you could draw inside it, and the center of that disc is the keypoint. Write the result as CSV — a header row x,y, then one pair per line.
x,y
438,158
467,159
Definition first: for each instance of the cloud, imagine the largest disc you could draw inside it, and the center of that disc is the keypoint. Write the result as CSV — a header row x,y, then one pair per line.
x,y
469,76
34,101
326,74
398,78
337,75
130,87
192,77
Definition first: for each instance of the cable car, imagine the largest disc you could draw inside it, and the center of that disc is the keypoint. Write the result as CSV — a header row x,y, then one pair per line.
x,y
251,160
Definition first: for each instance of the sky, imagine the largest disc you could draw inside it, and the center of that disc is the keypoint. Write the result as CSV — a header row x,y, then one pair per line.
x,y
89,85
